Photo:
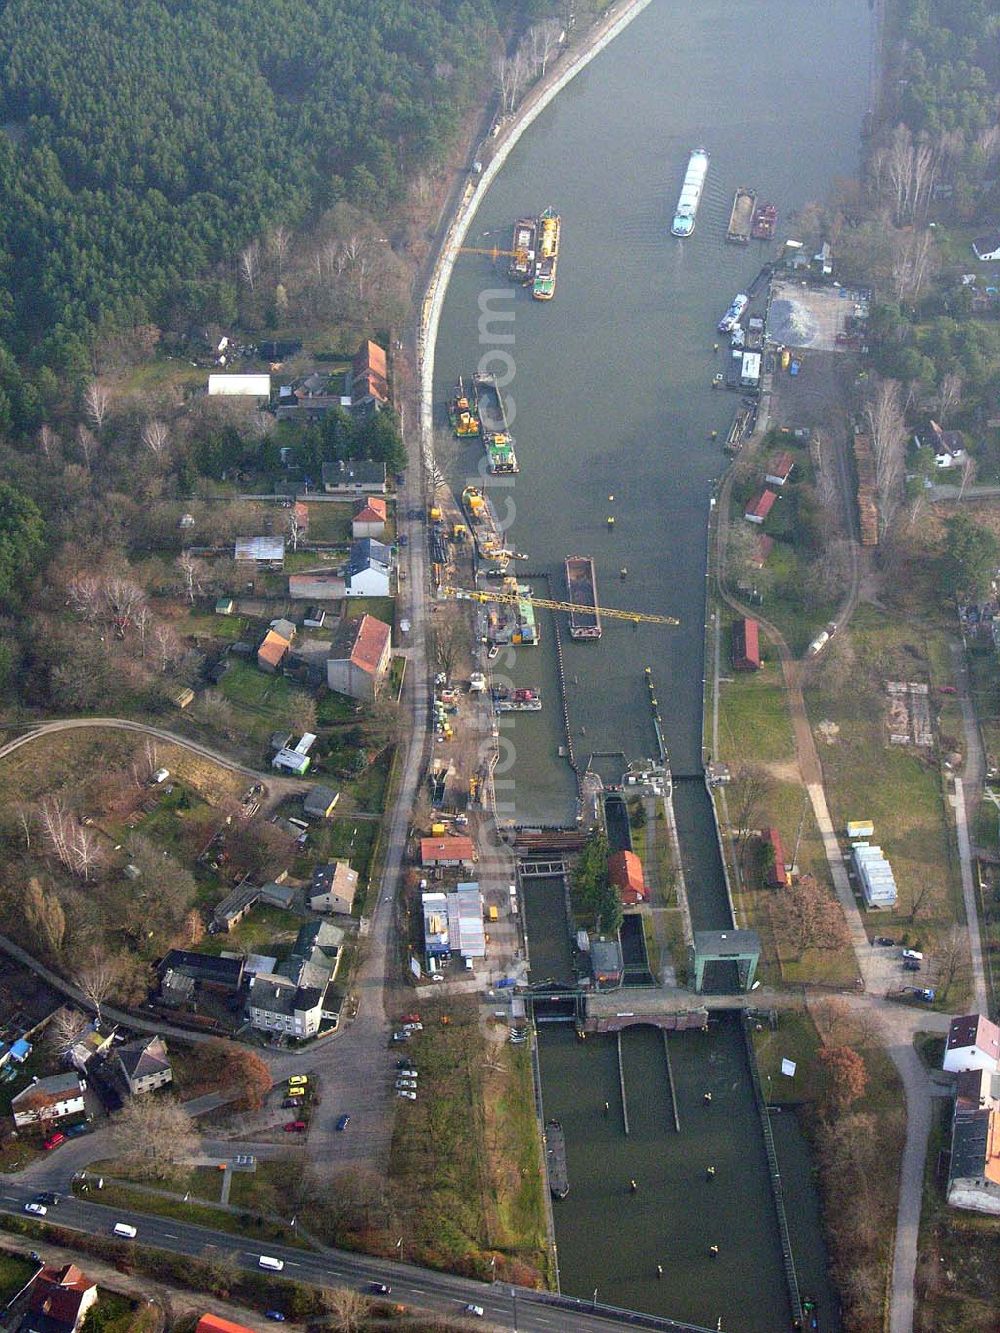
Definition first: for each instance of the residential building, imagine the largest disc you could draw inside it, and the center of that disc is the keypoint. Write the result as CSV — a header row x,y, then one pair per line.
x,y
626,874
311,397
225,606
317,586
973,1043
878,884
221,974
949,446
320,802
144,1065
273,651
45,1100
974,1165
457,850
779,469
284,627
354,478
264,552
58,1300
333,888
369,569
760,506
87,1045
360,652
369,377
369,518
239,386
279,1005
987,248
744,648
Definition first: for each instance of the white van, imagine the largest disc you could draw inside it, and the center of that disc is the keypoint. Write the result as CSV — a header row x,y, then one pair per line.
x,y
123,1229
275,1265
913,956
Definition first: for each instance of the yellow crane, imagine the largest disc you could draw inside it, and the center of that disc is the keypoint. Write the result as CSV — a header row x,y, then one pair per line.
x,y
548,604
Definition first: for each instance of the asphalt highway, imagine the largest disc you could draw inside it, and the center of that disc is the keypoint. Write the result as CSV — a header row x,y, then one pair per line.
x,y
503,1306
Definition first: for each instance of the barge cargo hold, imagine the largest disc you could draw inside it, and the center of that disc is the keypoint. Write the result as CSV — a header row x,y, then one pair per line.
x,y
690,196
581,584
508,700
522,264
482,519
555,1159
494,429
741,217
464,421
765,219
544,285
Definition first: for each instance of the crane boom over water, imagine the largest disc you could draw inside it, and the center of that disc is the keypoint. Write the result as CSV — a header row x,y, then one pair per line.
x,y
549,604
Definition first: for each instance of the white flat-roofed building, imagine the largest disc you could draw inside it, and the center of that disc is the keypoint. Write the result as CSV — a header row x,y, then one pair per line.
x,y
437,942
239,386
465,921
878,884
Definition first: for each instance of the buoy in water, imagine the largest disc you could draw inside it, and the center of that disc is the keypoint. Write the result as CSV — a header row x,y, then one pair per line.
x,y
707,1098
714,1251
710,1173
714,435
715,347
659,1270
611,498
624,571
607,1108
633,1186
611,521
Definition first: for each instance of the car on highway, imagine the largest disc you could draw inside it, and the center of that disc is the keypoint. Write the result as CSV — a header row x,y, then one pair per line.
x,y
38,1209
407,1093
343,1122
477,1310
54,1141
275,1316
48,1197
379,1288
295,1127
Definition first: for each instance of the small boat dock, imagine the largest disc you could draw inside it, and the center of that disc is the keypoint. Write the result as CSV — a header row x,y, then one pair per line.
x,y
741,217
555,1159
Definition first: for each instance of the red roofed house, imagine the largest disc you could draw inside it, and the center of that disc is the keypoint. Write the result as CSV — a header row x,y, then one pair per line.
x,y
369,376
369,518
273,651
776,877
973,1043
456,851
745,646
779,469
359,657
59,1299
212,1323
625,873
765,545
760,506
301,512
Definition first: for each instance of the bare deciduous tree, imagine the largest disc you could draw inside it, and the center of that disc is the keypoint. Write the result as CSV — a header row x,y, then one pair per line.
x,y
543,40
44,917
66,1027
887,429
250,265
87,442
348,1310
950,395
166,645
97,401
97,976
155,1134
749,789
192,571
278,244
156,437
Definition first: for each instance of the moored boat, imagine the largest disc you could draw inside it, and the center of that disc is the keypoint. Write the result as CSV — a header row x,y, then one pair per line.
x,y
544,285
482,518
765,219
741,217
555,1159
581,584
522,263
690,195
463,420
520,700
737,309
493,427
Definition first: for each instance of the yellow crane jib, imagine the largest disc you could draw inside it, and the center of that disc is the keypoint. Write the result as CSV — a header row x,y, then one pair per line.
x,y
549,604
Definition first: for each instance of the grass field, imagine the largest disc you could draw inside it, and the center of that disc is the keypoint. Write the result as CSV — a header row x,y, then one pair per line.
x,y
14,1273
754,726
137,1199
330,521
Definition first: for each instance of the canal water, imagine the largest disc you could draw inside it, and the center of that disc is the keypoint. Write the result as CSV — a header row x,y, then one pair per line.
x,y
611,397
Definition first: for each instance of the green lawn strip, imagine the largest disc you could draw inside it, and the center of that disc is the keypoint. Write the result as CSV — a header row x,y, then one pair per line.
x,y
140,1199
794,1039
369,788
382,608
520,1203
754,726
958,1277
112,1313
652,944
14,1274
264,930
330,521
671,926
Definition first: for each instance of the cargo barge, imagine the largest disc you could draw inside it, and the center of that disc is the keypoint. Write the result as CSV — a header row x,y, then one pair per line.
x,y
741,217
507,700
494,429
765,220
690,195
522,264
464,421
581,583
544,285
482,519
555,1159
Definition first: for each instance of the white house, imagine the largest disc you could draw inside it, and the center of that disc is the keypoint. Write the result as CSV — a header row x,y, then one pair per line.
x,y
987,248
973,1043
282,1006
48,1099
369,518
145,1065
369,569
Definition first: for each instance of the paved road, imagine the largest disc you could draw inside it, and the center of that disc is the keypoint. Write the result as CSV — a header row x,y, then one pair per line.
x,y
968,794
536,1312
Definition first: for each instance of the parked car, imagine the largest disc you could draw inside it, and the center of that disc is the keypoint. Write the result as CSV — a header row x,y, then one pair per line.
x,y
885,941
54,1141
298,1081
409,1018
407,1093
289,1102
276,1316
911,965
403,539
410,1083
413,1027
343,1122
74,1131
38,1209
296,1127
404,1071
401,1036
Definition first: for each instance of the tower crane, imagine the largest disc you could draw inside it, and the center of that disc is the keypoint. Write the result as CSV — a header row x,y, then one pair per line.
x,y
548,604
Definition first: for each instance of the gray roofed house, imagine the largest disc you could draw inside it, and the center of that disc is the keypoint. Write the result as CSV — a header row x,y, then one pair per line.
x,y
606,962
144,1065
269,551
368,569
319,802
48,1099
357,477
333,888
286,628
974,1168
204,968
